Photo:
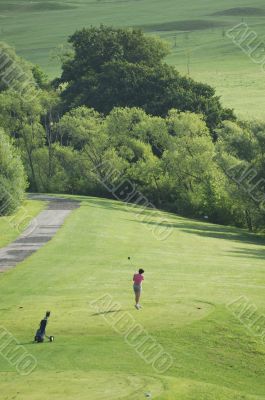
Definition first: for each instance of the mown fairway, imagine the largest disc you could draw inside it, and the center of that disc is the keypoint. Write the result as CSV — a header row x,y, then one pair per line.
x,y
190,278
195,32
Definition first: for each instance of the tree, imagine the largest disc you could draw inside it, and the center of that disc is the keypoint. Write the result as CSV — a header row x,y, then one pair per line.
x,y
40,77
83,129
124,124
30,124
188,164
124,68
12,176
21,120
241,155
95,47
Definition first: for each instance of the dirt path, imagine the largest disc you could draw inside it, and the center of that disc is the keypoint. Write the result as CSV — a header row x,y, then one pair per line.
x,y
41,230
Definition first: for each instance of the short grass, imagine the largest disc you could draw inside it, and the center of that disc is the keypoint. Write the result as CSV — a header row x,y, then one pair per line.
x,y
190,278
194,29
12,226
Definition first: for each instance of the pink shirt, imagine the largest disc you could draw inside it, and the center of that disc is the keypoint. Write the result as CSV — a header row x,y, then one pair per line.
x,y
138,278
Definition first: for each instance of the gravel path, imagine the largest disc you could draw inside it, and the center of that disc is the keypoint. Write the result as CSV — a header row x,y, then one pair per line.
x,y
40,231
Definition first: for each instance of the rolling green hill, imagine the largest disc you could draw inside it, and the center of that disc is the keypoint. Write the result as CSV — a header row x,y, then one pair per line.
x,y
195,30
190,278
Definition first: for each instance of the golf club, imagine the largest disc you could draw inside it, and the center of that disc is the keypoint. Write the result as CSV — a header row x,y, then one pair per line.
x,y
130,259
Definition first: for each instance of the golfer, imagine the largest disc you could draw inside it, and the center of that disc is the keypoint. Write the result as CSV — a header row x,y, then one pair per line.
x,y
137,287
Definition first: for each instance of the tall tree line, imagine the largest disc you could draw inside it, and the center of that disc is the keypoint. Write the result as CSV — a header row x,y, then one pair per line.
x,y
117,103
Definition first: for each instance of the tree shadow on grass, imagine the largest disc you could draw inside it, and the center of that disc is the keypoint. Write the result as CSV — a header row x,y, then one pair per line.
x,y
106,312
33,343
130,208
249,253
209,231
219,233
109,204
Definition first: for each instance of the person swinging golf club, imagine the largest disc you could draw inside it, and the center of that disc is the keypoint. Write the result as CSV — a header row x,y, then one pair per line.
x,y
137,287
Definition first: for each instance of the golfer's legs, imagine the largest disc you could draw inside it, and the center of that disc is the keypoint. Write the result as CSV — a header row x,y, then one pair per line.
x,y
137,297
137,292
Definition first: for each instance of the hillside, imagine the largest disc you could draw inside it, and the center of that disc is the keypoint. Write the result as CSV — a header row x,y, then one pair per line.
x,y
195,31
190,278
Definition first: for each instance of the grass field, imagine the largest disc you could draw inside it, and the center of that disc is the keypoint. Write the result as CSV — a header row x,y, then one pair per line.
x,y
195,30
12,226
189,280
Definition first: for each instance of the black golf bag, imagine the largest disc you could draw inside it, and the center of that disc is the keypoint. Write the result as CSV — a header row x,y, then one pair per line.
x,y
41,332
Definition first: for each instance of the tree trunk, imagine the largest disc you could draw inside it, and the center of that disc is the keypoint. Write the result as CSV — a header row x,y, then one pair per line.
x,y
249,220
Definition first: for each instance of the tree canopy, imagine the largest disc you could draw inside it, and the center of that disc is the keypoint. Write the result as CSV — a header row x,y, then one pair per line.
x,y
113,67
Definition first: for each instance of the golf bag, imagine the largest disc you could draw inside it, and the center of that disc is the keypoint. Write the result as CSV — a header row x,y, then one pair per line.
x,y
41,332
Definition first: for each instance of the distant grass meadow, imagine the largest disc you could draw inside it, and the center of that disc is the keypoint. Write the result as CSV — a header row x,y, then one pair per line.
x,y
195,30
190,279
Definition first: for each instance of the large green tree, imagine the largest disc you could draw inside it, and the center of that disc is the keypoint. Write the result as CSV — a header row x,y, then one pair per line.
x,y
241,155
124,68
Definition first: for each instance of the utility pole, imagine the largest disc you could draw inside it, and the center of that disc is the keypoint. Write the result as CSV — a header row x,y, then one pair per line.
x,y
175,40
188,61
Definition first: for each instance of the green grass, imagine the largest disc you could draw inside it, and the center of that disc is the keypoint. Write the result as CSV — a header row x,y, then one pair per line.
x,y
12,226
190,277
37,29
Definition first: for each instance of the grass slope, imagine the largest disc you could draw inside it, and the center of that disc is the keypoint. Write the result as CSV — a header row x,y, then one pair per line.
x,y
37,29
190,277
12,226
